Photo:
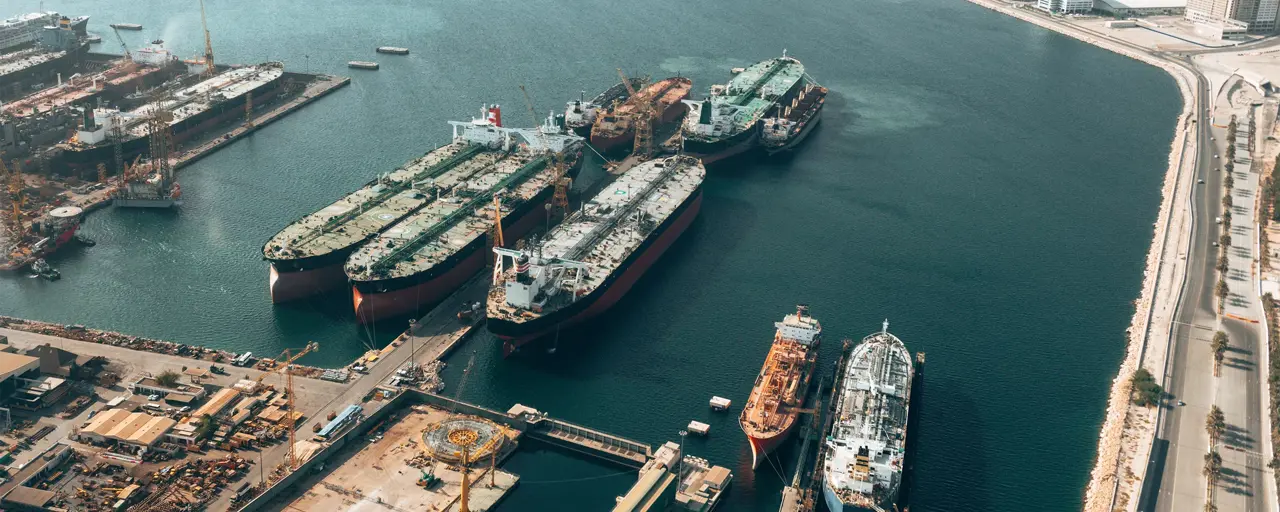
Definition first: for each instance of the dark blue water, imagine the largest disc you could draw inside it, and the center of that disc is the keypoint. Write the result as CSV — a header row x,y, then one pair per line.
x,y
986,185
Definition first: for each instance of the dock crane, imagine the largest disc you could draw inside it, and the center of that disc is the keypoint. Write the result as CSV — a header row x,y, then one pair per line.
x,y
286,360
127,56
559,201
208,43
643,121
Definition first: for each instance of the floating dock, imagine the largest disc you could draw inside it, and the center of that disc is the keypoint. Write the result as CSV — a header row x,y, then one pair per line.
x,y
362,64
393,50
126,26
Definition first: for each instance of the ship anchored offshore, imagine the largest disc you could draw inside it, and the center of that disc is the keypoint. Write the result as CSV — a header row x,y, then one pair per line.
x,y
589,261
729,121
863,463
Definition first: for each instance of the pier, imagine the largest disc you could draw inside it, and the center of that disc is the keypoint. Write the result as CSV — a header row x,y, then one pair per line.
x,y
582,439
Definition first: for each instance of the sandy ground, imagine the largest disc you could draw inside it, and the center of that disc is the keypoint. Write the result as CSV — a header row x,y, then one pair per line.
x,y
377,477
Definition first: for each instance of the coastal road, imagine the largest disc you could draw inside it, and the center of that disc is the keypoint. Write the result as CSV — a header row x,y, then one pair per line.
x,y
1189,374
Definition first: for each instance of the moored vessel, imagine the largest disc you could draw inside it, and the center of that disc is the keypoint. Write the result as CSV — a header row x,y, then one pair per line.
x,y
862,466
59,50
778,394
580,114
793,122
45,236
728,122
428,254
615,127
588,262
306,257
24,30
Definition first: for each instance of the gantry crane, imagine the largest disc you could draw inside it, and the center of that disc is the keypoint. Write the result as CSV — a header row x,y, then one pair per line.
x,y
14,184
208,43
642,120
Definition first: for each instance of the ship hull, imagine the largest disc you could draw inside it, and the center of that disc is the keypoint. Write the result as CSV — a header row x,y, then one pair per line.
x,y
87,158
620,142
712,151
58,241
834,504
44,71
515,335
290,285
146,203
762,447
798,138
390,298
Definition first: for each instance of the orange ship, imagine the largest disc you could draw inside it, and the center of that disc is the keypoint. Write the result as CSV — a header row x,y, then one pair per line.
x,y
615,129
778,395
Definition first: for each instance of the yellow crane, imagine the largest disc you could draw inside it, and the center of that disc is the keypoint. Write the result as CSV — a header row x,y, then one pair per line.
x,y
208,43
560,200
642,121
283,363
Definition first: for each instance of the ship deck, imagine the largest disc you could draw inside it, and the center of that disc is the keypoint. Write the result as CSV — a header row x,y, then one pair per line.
x,y
364,212
748,96
204,95
440,229
779,389
871,415
614,223
20,60
664,93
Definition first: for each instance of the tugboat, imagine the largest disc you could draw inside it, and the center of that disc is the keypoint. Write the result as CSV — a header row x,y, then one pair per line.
x,y
84,240
43,269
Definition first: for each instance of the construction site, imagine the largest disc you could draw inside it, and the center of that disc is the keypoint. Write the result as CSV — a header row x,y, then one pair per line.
x,y
117,133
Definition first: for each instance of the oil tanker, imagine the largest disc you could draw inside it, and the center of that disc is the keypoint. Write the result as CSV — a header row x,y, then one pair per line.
x,y
794,121
615,128
862,465
728,122
194,110
589,261
429,253
779,391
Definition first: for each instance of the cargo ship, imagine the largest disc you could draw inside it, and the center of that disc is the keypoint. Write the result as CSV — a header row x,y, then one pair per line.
x,y
728,122
46,235
195,110
428,254
862,466
588,262
580,114
614,129
778,394
794,122
24,30
306,257
59,51
150,66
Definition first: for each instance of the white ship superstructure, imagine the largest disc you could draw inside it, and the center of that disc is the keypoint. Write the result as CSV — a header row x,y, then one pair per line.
x,y
24,29
862,468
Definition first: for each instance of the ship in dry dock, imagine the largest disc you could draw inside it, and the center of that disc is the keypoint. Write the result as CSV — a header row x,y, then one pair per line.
x,y
23,30
728,122
194,110
429,253
615,128
580,114
589,261
59,50
777,397
862,466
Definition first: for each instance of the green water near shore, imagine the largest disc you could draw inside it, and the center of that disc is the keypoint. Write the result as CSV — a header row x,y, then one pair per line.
x,y
987,185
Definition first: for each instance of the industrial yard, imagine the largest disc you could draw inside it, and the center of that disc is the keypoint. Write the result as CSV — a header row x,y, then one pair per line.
x,y
391,468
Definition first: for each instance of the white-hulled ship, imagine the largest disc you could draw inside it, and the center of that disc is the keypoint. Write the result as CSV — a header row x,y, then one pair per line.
x,y
863,465
588,262
23,30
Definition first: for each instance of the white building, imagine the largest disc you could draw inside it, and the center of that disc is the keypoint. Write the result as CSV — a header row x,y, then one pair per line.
x,y
1065,6
1126,8
1233,19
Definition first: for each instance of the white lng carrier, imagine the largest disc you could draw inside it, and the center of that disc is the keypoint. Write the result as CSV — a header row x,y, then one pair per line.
x,y
862,468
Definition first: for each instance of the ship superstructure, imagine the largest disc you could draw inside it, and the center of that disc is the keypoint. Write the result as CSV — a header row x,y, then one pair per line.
x,y
426,255
193,110
580,114
793,122
863,465
728,122
23,30
779,391
589,261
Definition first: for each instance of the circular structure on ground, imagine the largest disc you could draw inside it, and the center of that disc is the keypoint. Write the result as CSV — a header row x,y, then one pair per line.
x,y
445,441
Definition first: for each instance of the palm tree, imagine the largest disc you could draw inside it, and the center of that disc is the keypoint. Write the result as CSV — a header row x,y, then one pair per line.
x,y
1223,264
1219,344
1225,240
1222,291
1215,424
1212,467
168,378
1226,201
1209,507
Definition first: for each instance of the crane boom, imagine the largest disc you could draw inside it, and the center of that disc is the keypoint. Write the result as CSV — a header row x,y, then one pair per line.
x,y
208,43
128,56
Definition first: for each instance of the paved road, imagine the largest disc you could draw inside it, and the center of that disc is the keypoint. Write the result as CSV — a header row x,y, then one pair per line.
x,y
1190,371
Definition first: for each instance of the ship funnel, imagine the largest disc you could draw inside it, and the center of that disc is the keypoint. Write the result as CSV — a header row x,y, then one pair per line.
x,y
802,310
704,113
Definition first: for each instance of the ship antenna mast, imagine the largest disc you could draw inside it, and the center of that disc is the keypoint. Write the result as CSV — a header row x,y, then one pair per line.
x,y
208,44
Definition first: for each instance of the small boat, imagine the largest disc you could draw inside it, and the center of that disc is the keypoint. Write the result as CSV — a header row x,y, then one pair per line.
x,y
43,269
393,50
126,26
85,241
362,64
93,38
700,428
719,403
